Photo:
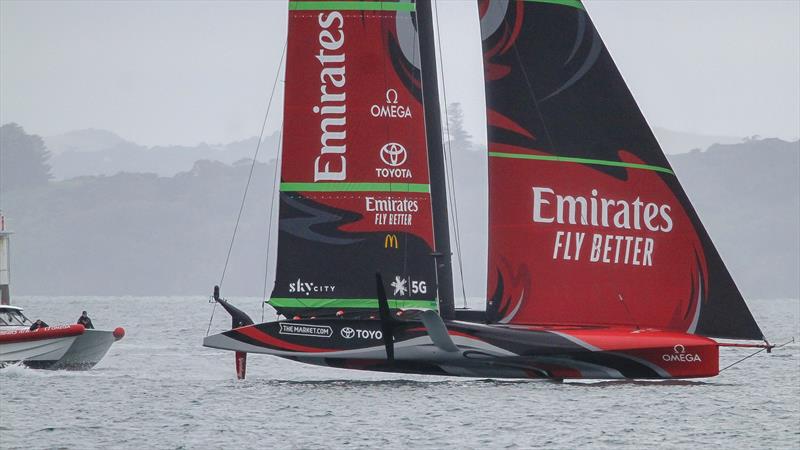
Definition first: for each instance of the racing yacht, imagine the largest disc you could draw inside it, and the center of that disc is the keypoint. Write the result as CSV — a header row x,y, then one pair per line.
x,y
598,264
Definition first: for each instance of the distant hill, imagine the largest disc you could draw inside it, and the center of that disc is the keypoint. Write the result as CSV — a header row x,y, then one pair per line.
x,y
748,196
676,142
140,234
101,152
88,140
145,234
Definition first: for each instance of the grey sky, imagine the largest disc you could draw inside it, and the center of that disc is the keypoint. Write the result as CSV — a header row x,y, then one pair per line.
x,y
188,72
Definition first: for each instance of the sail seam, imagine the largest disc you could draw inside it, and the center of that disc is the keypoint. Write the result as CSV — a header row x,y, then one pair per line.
x,y
351,6
573,3
355,187
598,162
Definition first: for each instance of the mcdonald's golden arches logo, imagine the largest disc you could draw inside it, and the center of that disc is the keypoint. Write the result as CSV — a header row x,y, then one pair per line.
x,y
391,241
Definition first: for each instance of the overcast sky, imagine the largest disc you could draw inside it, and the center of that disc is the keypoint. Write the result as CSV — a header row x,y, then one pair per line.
x,y
185,72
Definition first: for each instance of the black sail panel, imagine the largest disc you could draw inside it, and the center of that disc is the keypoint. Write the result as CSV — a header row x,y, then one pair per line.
x,y
588,222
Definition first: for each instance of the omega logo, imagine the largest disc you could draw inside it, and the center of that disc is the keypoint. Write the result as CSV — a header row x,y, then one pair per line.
x,y
391,97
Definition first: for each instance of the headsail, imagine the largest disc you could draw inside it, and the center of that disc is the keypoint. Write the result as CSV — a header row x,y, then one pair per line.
x,y
355,195
588,223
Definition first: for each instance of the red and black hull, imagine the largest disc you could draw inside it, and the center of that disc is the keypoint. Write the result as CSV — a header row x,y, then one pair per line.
x,y
497,351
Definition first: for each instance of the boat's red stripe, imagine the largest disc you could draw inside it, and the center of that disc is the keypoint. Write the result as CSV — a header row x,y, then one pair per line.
x,y
260,336
42,333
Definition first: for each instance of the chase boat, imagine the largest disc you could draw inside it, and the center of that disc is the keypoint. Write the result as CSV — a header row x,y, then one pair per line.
x,y
69,347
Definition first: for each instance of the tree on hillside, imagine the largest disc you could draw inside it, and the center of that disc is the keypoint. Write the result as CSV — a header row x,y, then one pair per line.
x,y
460,139
23,159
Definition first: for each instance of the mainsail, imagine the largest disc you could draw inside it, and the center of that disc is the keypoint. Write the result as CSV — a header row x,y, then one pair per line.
x,y
588,223
355,192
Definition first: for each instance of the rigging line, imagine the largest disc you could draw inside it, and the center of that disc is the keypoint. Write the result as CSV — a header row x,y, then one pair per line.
x,y
767,346
746,357
449,158
446,145
211,319
533,97
768,349
249,178
452,192
252,166
275,195
417,44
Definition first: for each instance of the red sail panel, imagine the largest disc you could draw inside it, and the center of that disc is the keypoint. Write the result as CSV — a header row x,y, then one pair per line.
x,y
588,223
355,196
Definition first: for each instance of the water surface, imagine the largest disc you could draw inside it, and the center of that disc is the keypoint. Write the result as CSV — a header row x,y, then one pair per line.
x,y
159,388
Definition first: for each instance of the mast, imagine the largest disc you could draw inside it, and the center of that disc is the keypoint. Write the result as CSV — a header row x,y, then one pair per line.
x,y
433,132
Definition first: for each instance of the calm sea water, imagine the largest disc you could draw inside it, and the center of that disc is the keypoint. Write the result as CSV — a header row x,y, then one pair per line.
x,y
159,388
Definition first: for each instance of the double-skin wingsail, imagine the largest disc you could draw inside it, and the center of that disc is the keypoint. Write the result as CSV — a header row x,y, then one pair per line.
x,y
355,194
588,223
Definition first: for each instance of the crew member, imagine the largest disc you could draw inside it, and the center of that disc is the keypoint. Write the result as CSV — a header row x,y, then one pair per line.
x,y
38,324
85,321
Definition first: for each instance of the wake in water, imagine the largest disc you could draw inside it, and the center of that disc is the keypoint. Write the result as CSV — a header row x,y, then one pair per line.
x,y
17,370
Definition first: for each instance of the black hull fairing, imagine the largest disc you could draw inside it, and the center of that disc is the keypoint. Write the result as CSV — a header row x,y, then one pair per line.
x,y
476,350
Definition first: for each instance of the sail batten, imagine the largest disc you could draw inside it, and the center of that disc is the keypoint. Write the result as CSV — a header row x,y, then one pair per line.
x,y
354,187
357,5
566,159
572,3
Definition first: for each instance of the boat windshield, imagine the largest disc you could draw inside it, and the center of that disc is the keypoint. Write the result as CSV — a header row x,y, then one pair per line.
x,y
13,318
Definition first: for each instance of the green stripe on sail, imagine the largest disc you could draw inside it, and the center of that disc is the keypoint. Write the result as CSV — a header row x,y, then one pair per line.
x,y
350,6
362,303
572,3
355,187
597,162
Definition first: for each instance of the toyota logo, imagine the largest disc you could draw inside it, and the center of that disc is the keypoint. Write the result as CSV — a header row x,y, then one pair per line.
x,y
393,154
348,332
